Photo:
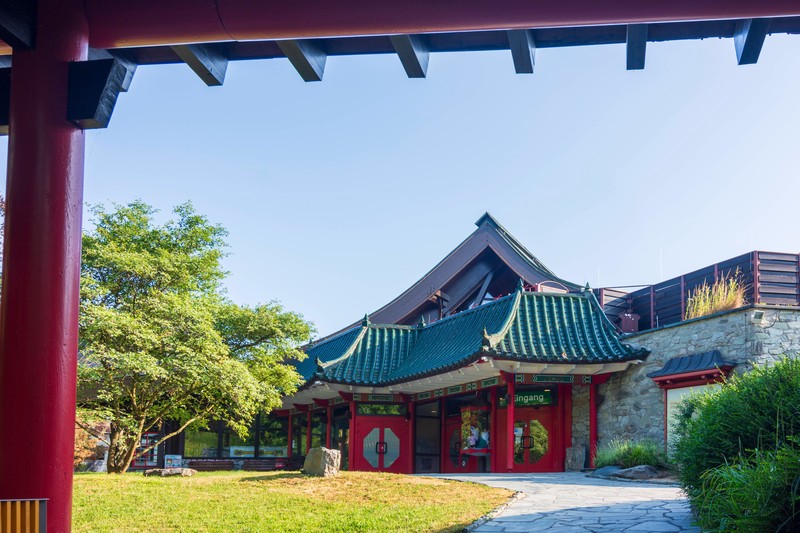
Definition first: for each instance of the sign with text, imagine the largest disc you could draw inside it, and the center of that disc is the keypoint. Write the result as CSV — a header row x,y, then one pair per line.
x,y
530,398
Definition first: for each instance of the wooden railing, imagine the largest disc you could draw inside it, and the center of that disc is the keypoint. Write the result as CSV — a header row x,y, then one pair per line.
x,y
769,278
23,516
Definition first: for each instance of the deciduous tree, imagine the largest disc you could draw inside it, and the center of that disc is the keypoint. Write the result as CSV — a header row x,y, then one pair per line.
x,y
159,340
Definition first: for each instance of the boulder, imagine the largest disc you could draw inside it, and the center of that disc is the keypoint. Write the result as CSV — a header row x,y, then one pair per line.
x,y
322,462
606,471
638,472
576,457
169,472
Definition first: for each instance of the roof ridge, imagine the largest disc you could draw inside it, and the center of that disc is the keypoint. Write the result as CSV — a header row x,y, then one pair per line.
x,y
468,311
347,353
503,331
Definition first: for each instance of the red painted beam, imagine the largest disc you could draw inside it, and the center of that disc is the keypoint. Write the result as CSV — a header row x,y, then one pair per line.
x,y
120,23
592,424
41,270
512,382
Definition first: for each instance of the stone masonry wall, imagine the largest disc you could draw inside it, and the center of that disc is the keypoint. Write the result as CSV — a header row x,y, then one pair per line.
x,y
580,423
631,406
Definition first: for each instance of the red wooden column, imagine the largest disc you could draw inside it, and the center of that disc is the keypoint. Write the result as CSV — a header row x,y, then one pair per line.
x,y
493,430
291,437
308,431
329,416
351,434
412,427
511,379
592,423
41,270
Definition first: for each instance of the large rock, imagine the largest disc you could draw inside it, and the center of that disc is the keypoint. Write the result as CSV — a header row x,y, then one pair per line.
x,y
638,472
576,457
322,462
169,472
606,471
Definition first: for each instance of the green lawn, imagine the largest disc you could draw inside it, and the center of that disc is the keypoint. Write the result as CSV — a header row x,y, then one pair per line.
x,y
278,501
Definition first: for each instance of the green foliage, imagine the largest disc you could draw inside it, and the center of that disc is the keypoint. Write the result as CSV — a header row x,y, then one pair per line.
x,y
727,293
755,493
158,339
627,454
742,430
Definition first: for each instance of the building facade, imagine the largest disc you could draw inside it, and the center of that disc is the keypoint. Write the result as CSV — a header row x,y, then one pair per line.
x,y
492,363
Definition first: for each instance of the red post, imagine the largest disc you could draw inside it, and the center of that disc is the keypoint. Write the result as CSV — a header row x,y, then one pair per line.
x,y
308,430
412,408
493,430
291,437
351,452
511,379
329,416
592,423
41,270
444,449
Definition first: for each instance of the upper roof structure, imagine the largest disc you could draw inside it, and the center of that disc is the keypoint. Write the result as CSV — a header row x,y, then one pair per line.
x,y
488,263
530,327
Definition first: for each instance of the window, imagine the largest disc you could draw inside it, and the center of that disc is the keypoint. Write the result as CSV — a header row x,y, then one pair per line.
x,y
381,409
201,443
273,437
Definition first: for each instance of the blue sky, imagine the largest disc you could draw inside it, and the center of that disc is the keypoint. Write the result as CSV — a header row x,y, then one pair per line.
x,y
338,195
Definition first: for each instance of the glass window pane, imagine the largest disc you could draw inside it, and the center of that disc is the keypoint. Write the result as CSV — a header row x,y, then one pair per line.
x,y
428,409
273,437
200,443
318,428
382,409
236,447
427,436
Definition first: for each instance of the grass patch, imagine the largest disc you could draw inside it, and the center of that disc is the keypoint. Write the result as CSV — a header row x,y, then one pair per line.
x,y
627,454
725,294
278,501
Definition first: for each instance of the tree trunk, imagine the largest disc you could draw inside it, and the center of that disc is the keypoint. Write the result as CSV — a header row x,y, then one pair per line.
x,y
121,449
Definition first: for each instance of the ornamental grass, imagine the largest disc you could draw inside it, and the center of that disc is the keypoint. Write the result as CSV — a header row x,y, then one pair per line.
x,y
725,294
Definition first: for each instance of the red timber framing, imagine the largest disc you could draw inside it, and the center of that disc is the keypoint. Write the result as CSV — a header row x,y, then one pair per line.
x,y
596,381
41,268
41,263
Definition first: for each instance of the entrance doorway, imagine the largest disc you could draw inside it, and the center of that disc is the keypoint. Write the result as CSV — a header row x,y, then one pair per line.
x,y
379,440
537,441
340,434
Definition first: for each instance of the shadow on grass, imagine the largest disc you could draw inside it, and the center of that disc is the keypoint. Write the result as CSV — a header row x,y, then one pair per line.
x,y
272,476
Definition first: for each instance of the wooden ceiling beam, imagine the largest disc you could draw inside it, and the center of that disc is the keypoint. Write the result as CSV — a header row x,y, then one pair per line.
x,y
523,50
413,53
636,46
306,57
93,90
207,61
748,38
17,27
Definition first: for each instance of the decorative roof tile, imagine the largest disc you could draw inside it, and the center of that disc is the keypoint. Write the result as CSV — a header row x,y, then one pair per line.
x,y
524,326
692,363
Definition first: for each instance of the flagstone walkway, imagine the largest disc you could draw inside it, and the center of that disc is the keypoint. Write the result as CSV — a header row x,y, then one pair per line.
x,y
571,502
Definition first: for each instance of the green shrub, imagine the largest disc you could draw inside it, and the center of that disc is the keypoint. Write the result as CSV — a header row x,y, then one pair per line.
x,y
759,409
755,494
735,448
626,454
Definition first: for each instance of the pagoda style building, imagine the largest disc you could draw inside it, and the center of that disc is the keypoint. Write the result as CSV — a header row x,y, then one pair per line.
x,y
492,363
473,368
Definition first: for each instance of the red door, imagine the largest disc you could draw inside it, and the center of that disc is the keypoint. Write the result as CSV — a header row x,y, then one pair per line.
x,y
381,444
452,456
536,440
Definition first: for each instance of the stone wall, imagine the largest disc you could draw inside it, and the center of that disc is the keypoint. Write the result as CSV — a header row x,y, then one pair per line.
x,y
631,406
580,421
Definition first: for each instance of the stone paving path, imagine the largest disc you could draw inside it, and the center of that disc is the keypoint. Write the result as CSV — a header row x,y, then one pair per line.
x,y
571,502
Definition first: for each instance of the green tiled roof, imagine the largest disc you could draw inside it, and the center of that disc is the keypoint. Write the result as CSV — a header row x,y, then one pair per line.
x,y
524,326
